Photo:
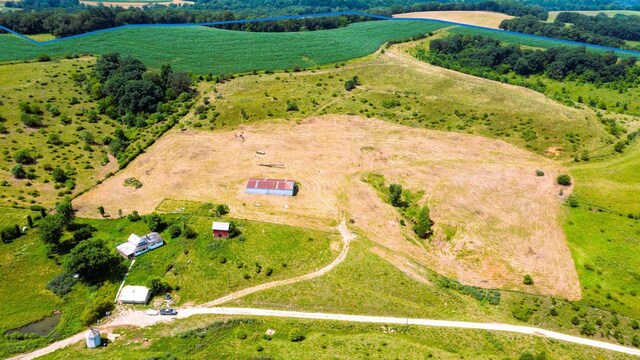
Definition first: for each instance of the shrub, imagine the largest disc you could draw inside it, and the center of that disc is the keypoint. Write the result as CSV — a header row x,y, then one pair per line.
x,y
134,216
292,106
395,195
295,335
157,286
43,58
9,233
155,223
189,233
564,180
528,280
23,157
83,233
634,324
18,172
539,172
553,312
58,175
61,284
588,329
572,201
222,209
222,259
522,313
575,320
175,231
635,341
96,311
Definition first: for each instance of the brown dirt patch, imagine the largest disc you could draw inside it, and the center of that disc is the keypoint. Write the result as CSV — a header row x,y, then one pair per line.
x,y
479,18
506,217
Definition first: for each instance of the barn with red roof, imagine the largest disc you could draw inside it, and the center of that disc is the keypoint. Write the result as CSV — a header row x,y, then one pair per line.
x,y
270,187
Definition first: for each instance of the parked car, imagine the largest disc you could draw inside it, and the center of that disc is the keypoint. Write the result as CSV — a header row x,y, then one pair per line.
x,y
168,312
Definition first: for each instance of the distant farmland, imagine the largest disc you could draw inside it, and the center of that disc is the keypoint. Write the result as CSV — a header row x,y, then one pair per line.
x,y
203,50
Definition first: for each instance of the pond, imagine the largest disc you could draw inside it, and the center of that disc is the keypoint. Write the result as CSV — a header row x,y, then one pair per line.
x,y
41,327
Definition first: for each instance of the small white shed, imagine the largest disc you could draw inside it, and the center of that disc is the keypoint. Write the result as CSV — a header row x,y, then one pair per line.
x,y
93,338
131,294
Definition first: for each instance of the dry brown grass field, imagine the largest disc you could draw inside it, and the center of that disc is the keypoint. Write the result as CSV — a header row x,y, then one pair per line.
x,y
479,18
506,218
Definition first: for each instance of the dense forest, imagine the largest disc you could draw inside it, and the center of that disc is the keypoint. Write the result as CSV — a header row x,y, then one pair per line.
x,y
68,17
625,27
585,4
531,25
487,57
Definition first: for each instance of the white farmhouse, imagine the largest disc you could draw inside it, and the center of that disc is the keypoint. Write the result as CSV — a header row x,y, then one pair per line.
x,y
137,245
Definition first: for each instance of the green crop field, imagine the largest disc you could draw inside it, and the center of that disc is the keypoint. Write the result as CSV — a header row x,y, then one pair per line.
x,y
203,50
244,338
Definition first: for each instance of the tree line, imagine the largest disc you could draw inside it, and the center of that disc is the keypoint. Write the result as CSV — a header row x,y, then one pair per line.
x,y
487,57
68,17
531,25
625,27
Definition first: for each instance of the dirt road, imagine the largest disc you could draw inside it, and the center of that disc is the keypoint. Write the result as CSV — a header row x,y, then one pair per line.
x,y
526,330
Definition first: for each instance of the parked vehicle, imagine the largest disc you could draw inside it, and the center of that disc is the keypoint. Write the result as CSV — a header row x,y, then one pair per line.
x,y
168,312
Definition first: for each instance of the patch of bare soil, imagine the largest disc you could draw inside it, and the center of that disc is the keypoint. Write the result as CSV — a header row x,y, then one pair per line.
x,y
479,18
506,217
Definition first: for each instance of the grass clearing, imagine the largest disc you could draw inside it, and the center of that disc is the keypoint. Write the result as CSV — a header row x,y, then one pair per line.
x,y
239,337
485,188
204,50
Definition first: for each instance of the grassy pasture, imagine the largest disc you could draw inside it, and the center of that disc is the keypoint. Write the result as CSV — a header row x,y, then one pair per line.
x,y
602,236
196,269
367,284
79,149
403,90
218,337
203,50
26,269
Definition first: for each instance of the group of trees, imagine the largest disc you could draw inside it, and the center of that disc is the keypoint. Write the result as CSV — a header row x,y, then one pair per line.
x,y
611,32
125,90
625,27
419,215
479,55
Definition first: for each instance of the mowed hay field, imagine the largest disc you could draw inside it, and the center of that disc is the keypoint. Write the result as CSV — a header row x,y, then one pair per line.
x,y
479,18
203,50
506,218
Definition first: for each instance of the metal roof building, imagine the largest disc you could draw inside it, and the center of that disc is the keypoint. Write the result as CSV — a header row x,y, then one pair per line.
x,y
270,187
